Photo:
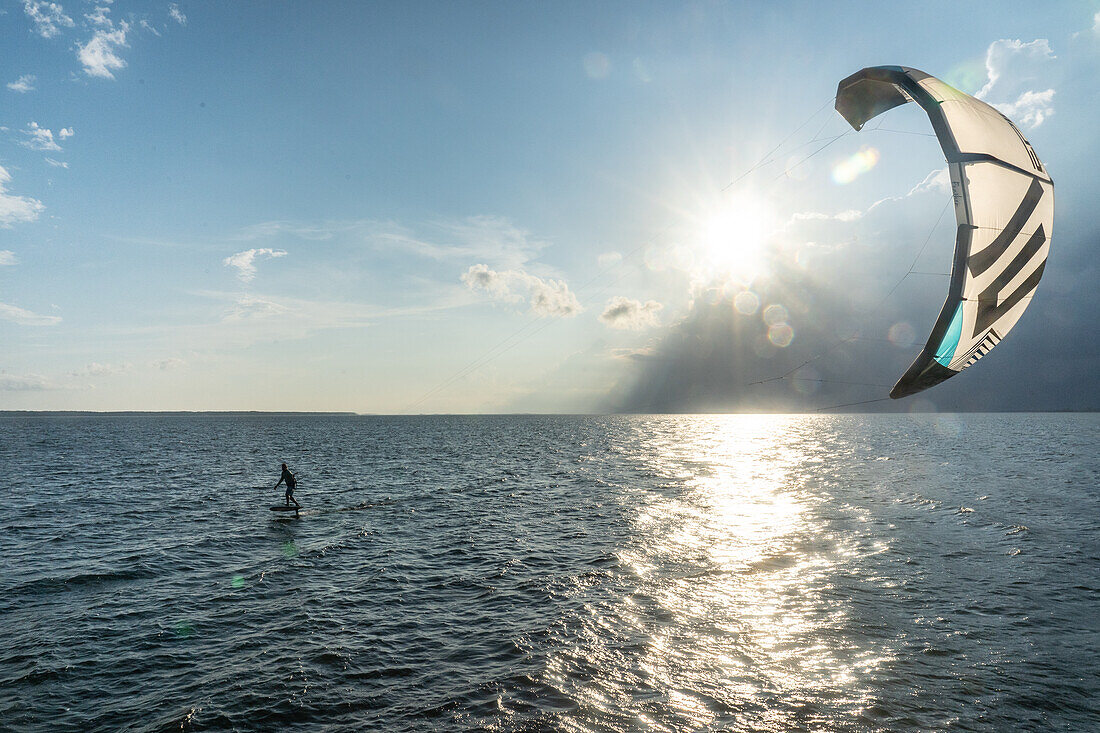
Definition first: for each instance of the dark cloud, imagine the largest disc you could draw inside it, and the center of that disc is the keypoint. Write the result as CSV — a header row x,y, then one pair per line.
x,y
853,320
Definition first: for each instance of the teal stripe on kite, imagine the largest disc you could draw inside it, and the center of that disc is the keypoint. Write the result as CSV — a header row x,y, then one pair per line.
x,y
951,339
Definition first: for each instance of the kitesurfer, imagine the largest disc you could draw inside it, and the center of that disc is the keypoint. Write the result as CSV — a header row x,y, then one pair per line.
x,y
291,482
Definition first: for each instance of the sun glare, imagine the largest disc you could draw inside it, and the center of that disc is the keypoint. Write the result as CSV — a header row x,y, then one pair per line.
x,y
733,239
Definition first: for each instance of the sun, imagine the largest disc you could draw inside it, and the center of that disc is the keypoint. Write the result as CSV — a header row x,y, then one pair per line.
x,y
733,238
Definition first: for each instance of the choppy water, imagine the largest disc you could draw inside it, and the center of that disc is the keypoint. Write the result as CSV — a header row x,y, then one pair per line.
x,y
551,573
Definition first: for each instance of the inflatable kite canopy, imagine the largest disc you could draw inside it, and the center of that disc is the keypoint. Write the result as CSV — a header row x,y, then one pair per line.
x,y
1004,206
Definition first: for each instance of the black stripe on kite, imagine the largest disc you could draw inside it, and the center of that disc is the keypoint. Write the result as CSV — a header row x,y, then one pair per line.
x,y
989,295
988,312
982,261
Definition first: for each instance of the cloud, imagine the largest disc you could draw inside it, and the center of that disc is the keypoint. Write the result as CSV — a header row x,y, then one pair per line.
x,y
168,364
547,297
99,55
490,239
24,317
269,229
48,18
15,209
552,298
609,258
249,308
1014,70
847,215
630,315
496,284
23,84
41,138
632,354
249,319
95,369
175,14
56,163
25,383
1030,108
938,181
245,262
100,16
7,257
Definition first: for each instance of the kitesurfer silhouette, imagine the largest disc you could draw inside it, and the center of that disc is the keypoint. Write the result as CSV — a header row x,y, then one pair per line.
x,y
291,482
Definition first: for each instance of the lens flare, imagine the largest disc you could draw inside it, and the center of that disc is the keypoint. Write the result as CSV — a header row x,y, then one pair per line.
x,y
852,168
781,335
746,302
775,315
597,65
901,334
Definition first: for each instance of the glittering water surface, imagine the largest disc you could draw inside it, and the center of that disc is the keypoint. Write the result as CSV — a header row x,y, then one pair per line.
x,y
756,573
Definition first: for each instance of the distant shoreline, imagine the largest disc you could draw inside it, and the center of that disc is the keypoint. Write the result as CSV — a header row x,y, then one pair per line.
x,y
289,413
123,413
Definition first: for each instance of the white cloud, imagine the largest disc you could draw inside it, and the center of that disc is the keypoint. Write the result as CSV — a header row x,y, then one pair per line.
x,y
7,257
552,298
633,354
252,319
846,215
268,229
24,383
1014,72
100,16
24,317
1030,108
41,138
250,307
547,297
23,84
245,262
938,181
490,239
168,364
631,315
496,284
48,18
95,369
15,209
609,258
56,163
175,14
100,54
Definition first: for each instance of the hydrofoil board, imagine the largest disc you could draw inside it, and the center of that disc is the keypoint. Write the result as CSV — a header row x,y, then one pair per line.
x,y
284,508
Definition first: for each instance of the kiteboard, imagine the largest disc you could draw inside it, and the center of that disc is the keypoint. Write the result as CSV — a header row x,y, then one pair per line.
x,y
284,508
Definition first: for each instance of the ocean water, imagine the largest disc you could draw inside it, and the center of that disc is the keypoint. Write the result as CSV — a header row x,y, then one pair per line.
x,y
558,573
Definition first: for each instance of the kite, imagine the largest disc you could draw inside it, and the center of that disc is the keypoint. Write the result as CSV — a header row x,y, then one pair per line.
x,y
1004,207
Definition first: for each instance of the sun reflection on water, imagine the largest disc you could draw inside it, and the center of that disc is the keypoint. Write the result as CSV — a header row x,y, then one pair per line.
x,y
731,616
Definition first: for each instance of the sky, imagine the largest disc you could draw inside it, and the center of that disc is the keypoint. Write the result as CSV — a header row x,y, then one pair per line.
x,y
427,207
